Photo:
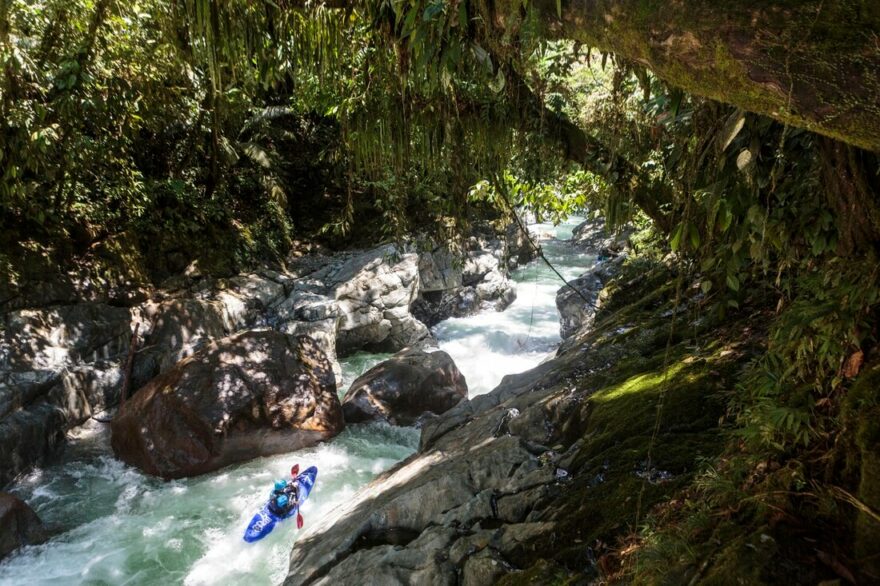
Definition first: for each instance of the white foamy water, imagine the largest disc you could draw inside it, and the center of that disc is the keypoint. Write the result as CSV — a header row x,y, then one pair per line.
x,y
114,525
492,344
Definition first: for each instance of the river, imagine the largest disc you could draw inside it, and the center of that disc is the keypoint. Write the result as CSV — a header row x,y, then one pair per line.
x,y
114,525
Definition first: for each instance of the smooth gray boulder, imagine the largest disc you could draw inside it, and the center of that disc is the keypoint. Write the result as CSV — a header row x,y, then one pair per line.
x,y
578,301
56,368
465,499
374,291
574,311
461,287
405,388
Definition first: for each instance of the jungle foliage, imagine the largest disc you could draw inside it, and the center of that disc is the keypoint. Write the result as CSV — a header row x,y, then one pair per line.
x,y
194,120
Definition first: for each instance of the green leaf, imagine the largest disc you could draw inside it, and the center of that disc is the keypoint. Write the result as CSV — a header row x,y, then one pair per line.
x,y
675,104
559,9
432,11
695,236
497,84
725,219
408,24
733,282
675,241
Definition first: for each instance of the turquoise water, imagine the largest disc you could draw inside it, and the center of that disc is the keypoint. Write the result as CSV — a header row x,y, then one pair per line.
x,y
114,525
117,526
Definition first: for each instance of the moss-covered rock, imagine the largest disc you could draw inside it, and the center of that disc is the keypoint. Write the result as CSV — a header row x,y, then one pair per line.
x,y
533,480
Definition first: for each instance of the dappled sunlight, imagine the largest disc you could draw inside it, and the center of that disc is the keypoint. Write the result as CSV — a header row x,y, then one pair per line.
x,y
119,524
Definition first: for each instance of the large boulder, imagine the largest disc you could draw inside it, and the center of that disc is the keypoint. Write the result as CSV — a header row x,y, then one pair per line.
x,y
439,270
405,388
458,510
57,366
251,394
374,291
592,234
19,525
578,301
49,339
323,332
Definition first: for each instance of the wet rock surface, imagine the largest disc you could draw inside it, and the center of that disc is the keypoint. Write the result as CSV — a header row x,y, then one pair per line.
x,y
61,364
476,280
592,234
409,386
56,366
578,301
19,525
468,496
248,395
542,468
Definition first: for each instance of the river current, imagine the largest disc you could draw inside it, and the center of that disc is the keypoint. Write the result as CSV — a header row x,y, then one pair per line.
x,y
114,525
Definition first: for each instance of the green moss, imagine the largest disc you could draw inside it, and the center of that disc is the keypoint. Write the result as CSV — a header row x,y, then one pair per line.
x,y
665,414
542,573
649,382
741,558
649,419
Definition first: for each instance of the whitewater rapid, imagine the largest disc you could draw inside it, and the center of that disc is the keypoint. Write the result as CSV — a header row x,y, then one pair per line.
x,y
114,525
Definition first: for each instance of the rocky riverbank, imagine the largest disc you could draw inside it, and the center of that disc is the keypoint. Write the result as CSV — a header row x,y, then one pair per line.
x,y
533,479
72,344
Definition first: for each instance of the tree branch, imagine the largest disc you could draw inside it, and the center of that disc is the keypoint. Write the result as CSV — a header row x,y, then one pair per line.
x,y
808,63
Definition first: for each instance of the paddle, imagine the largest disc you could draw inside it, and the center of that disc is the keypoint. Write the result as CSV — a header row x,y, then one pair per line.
x,y
299,518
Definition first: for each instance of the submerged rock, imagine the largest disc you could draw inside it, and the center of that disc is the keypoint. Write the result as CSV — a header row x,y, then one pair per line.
x,y
405,388
19,525
252,394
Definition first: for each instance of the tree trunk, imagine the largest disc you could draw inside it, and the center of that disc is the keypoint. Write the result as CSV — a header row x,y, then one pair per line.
x,y
809,63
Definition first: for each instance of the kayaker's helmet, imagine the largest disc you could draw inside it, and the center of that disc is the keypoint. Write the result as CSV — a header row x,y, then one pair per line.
x,y
280,484
282,501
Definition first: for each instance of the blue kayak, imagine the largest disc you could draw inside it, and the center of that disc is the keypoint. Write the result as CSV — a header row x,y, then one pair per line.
x,y
264,522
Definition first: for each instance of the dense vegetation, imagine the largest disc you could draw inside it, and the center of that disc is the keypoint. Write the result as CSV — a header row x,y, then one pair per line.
x,y
247,125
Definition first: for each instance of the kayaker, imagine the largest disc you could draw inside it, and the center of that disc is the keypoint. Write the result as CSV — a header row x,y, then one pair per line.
x,y
285,495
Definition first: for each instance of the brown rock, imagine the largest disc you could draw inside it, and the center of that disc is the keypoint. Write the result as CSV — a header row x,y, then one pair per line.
x,y
404,388
19,524
252,394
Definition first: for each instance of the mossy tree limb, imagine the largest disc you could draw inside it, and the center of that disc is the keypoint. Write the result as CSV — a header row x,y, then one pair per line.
x,y
809,63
